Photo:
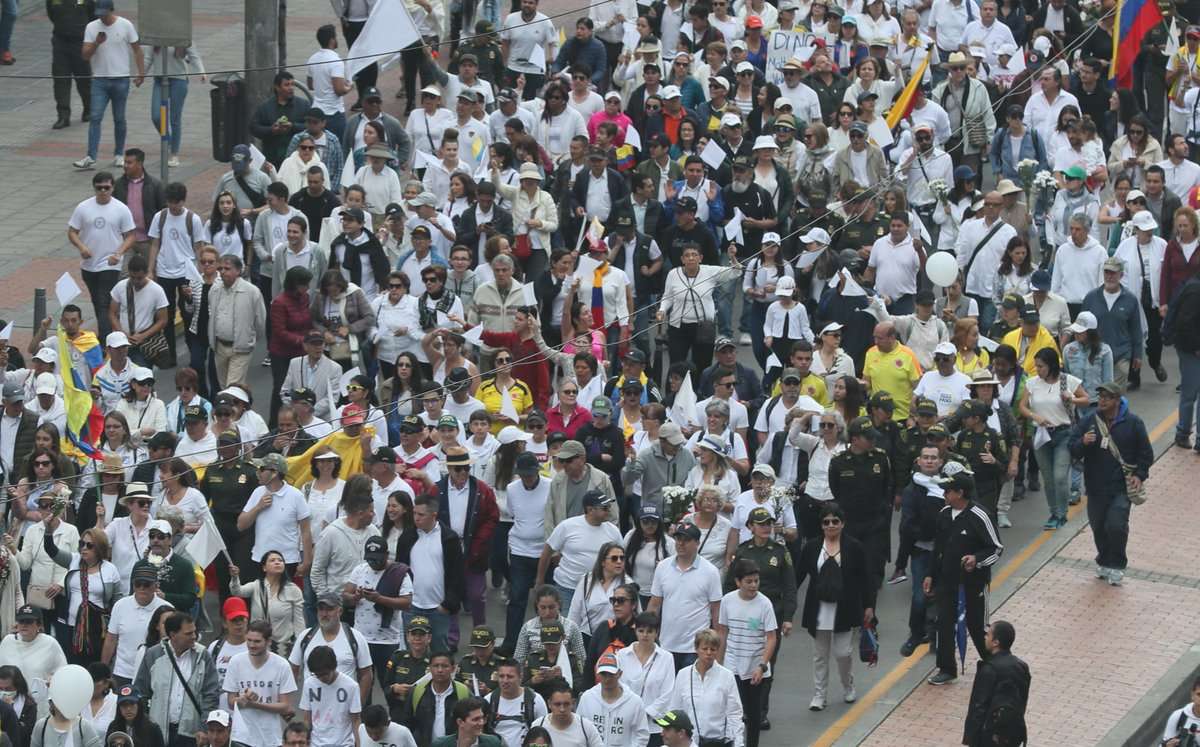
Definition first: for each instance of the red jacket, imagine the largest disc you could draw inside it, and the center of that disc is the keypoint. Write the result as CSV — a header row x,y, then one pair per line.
x,y
482,517
290,320
555,421
530,365
1176,271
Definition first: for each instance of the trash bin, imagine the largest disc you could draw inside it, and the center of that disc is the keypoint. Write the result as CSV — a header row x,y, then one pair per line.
x,y
230,119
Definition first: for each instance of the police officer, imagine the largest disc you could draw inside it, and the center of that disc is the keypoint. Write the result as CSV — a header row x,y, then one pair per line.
x,y
965,548
890,438
477,670
816,215
860,479
924,415
864,225
1009,317
487,53
776,580
228,483
542,667
938,436
68,19
985,452
405,667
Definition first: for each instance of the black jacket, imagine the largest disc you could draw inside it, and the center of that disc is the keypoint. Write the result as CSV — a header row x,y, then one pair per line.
x,y
69,18
1002,680
609,441
748,389
643,285
969,533
1102,474
1182,324
468,232
351,257
919,513
315,209
1072,22
655,222
452,564
618,190
154,199
858,593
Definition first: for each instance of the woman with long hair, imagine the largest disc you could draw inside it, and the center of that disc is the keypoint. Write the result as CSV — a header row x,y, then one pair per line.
x,y
839,133
848,48
1180,261
274,598
133,720
1068,117
323,493
155,633
179,491
849,399
461,197
590,608
645,545
195,331
1049,402
118,440
763,115
400,395
228,229
1123,106
709,516
578,333
876,22
90,589
1134,151
618,631
101,502
503,170
829,359
444,349
1015,271
397,519
41,477
102,708
17,694
1091,359
360,391
951,212
688,143
1115,213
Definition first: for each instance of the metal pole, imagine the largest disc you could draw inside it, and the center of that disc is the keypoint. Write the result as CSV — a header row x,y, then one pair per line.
x,y
39,306
164,107
261,51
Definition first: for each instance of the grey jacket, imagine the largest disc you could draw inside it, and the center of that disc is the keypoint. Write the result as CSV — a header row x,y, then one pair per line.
x,y
556,504
397,138
248,309
338,552
156,677
45,735
657,471
318,263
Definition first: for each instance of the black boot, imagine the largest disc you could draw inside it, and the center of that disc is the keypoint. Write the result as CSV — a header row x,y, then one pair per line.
x,y
64,120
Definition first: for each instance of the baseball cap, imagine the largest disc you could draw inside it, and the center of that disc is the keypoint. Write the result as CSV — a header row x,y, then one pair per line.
x,y
1084,321
218,717
785,286
304,394
374,547
760,515
129,693
551,633
882,400
1114,264
1075,172
729,119
116,340
675,720
1040,280
925,406
193,412
527,464
945,348
763,469
229,437
861,426
161,526
353,414
961,479
937,430
511,434
859,127
233,608
1109,387
419,623
1144,221
431,91
649,510
482,636
329,599
141,374
275,462
372,93
46,355
143,570
570,449
1012,301
46,384
601,406
670,433
506,94
26,613
607,664
686,204
791,374
385,454
685,530
239,158
724,342
596,499
670,92
13,392
816,236
447,421
1030,315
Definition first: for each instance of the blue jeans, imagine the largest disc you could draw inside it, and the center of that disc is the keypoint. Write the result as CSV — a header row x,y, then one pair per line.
x,y
919,563
177,90
522,572
8,19
310,602
724,295
439,621
683,660
336,123
905,304
1054,461
1109,516
987,311
565,595
1189,389
105,90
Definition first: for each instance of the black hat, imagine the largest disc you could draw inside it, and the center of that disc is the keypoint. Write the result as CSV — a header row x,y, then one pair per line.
x,y
551,633
375,546
635,355
742,162
1012,301
925,406
372,93
527,464
385,454
411,424
924,298
676,720
1030,315
229,438
882,400
596,499
977,408
687,530
143,570
194,412
686,203
419,624
760,515
621,220
355,214
482,636
421,231
861,426
393,209
162,440
304,395
27,614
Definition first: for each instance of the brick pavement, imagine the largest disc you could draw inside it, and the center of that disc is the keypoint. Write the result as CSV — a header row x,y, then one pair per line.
x,y
1094,650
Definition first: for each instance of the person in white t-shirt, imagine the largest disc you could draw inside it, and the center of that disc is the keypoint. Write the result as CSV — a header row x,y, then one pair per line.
x,y
236,615
330,701
576,541
101,229
107,44
129,621
257,685
149,308
280,517
510,721
379,594
328,81
353,657
176,235
565,728
529,38
749,635
378,730
947,386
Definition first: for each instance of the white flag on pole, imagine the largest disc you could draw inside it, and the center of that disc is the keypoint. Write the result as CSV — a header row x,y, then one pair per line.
x,y
388,29
206,544
507,408
683,412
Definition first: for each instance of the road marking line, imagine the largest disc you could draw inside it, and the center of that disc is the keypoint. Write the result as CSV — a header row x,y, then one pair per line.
x,y
843,724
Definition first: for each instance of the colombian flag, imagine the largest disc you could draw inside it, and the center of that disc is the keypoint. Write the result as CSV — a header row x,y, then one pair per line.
x,y
79,360
903,105
1135,18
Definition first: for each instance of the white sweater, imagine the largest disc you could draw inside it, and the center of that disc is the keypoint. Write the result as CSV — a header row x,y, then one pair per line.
x,y
654,681
620,724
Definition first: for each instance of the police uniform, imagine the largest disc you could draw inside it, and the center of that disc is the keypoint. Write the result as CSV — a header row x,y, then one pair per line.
x,y
471,670
228,487
862,486
403,669
862,233
551,633
988,477
69,20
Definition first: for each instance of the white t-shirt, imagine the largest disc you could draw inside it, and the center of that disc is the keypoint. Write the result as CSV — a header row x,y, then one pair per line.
x,y
177,247
111,59
147,300
348,664
278,527
101,229
330,707
527,507
579,542
513,731
746,503
367,619
686,595
396,735
222,659
523,36
739,417
272,682
581,733
748,623
1046,399
129,622
323,67
947,391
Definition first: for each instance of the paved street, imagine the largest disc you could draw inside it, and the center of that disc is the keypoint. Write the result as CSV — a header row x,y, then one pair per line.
x,y
42,189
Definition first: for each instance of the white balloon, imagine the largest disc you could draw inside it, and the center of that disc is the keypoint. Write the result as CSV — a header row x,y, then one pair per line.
x,y
70,690
942,268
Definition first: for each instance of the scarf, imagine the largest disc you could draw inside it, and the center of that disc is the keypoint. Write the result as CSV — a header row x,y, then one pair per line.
x,y
79,643
427,315
927,482
598,295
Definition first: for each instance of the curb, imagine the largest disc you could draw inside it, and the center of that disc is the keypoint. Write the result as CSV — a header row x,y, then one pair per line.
x,y
1144,723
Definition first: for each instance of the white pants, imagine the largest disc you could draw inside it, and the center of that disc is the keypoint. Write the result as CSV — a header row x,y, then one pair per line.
x,y
840,643
1004,502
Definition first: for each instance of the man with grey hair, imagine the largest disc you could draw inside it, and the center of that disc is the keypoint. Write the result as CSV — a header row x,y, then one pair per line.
x,y
715,416
236,318
1078,263
664,462
495,304
1117,315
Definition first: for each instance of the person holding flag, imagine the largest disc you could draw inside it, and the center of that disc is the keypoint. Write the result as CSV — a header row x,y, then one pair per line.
x,y
82,349
604,288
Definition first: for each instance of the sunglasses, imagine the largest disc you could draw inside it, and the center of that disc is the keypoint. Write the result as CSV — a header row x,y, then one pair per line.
x,y
395,285
431,279
569,391
831,522
308,147
503,360
355,388
845,114
725,384
828,425
653,108
142,584
103,187
84,545
615,558
834,334
158,536
619,600
43,463
141,502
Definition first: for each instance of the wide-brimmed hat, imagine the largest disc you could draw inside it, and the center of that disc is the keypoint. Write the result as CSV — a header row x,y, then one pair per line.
x,y
529,171
1008,187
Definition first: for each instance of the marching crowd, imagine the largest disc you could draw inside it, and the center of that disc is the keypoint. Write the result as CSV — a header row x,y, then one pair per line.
x,y
505,332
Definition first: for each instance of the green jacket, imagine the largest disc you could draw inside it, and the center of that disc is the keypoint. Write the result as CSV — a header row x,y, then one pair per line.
x,y
177,581
777,576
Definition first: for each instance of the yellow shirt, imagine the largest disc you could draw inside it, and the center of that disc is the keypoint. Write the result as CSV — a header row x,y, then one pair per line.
x,y
810,386
896,373
1043,339
980,361
493,400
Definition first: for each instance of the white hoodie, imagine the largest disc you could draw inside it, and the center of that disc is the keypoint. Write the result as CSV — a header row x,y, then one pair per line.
x,y
654,682
621,724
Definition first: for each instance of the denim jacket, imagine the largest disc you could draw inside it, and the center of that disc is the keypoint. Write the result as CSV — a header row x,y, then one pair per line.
x,y
1032,147
1091,373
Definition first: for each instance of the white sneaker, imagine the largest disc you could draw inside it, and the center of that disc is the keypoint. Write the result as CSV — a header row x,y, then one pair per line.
x,y
817,703
850,695
118,162
87,162
1101,572
173,162
744,339
1003,521
1114,576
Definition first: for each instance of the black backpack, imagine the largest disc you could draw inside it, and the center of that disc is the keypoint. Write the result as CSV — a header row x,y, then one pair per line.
x,y
829,581
527,716
1004,712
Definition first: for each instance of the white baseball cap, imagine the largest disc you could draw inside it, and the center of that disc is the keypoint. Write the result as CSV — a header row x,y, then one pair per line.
x,y
218,717
945,348
1084,321
46,383
670,92
770,237
46,354
816,236
785,286
1144,221
116,340
511,434
744,67
729,119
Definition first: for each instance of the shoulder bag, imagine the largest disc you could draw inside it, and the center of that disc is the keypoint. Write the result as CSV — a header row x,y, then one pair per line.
x,y
154,347
183,680
523,242
1136,495
705,741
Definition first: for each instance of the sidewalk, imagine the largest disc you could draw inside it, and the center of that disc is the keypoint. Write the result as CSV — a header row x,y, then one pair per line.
x,y
1094,650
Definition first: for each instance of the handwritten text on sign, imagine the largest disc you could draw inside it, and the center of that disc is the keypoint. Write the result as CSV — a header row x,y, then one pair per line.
x,y
783,46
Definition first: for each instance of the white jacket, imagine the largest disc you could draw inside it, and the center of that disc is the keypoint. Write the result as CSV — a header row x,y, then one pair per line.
x,y
1078,269
390,317
620,724
654,682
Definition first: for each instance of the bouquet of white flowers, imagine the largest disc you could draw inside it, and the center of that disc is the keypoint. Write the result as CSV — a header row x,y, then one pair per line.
x,y
782,497
677,503
1045,180
939,189
1025,172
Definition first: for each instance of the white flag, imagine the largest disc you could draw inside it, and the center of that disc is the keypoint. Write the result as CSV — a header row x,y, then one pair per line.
x,y
66,289
204,547
507,408
683,412
474,335
6,333
632,138
388,30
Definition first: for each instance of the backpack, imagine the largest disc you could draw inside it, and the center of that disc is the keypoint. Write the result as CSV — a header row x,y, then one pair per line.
x,y
829,581
312,632
527,716
1003,718
187,216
